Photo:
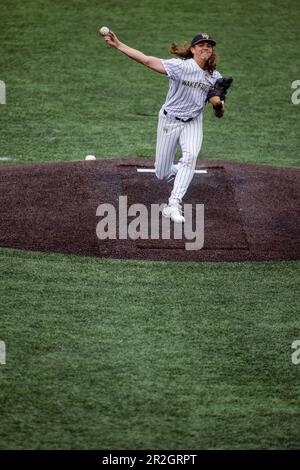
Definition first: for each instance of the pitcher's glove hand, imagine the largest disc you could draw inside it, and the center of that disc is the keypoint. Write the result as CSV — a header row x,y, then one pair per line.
x,y
220,88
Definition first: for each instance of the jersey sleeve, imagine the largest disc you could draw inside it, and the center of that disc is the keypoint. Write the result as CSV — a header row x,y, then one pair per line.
x,y
173,67
216,76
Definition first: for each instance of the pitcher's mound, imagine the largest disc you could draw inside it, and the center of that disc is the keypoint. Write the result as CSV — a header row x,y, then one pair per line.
x,y
251,212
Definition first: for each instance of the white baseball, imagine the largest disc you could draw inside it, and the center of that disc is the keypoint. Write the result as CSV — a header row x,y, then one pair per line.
x,y
90,157
104,31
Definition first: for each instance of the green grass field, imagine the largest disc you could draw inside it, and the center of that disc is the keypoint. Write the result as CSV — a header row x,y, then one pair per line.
x,y
105,354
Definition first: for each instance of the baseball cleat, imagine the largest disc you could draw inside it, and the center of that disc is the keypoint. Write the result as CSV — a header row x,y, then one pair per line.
x,y
172,174
170,178
174,213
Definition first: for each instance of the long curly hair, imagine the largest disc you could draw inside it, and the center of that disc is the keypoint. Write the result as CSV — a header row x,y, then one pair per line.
x,y
184,52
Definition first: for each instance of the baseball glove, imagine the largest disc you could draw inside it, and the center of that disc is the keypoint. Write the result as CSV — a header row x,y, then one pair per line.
x,y
220,88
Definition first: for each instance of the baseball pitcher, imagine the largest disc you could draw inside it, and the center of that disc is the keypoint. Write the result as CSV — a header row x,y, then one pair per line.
x,y
193,81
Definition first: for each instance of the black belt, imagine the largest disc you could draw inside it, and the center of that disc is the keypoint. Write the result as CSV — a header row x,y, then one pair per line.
x,y
178,119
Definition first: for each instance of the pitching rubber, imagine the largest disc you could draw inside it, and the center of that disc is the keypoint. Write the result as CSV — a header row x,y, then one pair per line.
x,y
152,170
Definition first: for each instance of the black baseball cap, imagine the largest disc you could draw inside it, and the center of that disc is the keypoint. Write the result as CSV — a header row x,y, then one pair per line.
x,y
203,37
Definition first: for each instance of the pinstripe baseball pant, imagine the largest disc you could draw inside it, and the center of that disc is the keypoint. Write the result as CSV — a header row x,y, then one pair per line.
x,y
189,136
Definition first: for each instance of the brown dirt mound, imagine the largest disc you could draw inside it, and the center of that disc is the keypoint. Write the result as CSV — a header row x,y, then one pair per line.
x,y
251,211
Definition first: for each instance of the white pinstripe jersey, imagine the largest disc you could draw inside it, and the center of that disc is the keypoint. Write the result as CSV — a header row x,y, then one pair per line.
x,y
188,87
